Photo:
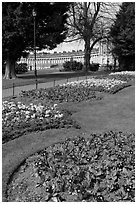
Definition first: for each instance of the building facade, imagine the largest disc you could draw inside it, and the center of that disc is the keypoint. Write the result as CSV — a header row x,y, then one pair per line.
x,y
46,60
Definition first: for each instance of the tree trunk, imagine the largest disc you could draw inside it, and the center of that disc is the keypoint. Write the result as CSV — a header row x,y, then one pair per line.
x,y
115,60
87,55
10,69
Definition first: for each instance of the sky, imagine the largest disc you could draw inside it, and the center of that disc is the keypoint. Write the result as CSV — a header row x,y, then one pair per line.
x,y
69,47
75,45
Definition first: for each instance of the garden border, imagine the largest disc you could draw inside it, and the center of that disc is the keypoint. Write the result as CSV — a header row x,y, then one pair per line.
x,y
12,160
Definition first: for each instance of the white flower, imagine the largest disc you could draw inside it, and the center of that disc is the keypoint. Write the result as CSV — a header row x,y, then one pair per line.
x,y
123,73
33,116
55,105
46,115
27,112
17,112
60,115
47,112
27,116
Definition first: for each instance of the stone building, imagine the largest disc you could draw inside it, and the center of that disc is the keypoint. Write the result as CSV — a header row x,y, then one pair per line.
x,y
46,60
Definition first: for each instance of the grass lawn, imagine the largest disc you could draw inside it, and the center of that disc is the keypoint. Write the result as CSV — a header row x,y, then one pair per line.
x,y
43,76
112,113
115,112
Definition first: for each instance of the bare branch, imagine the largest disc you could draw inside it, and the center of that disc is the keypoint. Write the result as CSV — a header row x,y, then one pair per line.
x,y
72,40
91,21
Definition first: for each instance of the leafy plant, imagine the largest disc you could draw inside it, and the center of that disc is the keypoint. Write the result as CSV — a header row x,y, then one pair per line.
x,y
60,94
94,67
97,169
78,90
21,68
123,36
72,65
18,119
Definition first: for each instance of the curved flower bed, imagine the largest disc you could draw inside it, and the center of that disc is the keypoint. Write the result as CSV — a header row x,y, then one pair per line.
x,y
18,118
97,169
98,84
61,94
77,91
131,73
124,75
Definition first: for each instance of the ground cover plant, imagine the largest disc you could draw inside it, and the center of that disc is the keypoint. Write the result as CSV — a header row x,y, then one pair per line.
x,y
104,84
100,168
123,75
60,94
18,118
77,91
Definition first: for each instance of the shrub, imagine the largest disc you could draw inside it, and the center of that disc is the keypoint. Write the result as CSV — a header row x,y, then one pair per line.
x,y
72,66
54,66
127,63
106,67
21,68
94,67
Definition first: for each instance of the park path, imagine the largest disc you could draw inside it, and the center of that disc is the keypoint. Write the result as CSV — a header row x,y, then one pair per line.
x,y
13,92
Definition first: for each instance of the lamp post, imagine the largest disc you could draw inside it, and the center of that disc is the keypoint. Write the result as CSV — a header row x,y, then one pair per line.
x,y
35,70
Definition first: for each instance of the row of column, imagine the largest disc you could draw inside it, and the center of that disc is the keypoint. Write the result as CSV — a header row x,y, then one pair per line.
x,y
47,62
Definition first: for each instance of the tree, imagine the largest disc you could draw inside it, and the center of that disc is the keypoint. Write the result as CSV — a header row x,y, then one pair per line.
x,y
90,21
18,28
123,36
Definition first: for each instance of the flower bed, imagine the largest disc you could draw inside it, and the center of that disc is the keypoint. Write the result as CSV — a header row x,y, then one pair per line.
x,y
130,73
61,94
124,76
18,118
77,91
99,84
97,169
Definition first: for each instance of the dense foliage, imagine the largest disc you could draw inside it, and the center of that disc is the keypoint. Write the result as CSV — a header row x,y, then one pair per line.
x,y
18,119
97,169
61,94
72,66
18,27
94,67
123,36
21,68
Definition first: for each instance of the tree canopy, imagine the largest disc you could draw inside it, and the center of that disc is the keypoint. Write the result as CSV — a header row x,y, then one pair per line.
x,y
123,36
91,22
18,28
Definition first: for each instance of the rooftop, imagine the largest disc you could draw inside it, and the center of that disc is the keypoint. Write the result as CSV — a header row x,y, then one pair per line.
x,y
62,54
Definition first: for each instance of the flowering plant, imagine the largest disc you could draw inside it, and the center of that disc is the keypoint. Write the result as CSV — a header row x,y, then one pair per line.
x,y
76,91
18,118
105,83
96,169
123,73
62,93
110,85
